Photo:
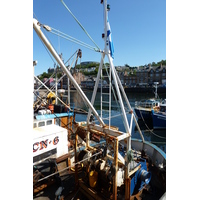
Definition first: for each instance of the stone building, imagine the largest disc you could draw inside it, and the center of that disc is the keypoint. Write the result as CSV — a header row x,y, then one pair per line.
x,y
146,75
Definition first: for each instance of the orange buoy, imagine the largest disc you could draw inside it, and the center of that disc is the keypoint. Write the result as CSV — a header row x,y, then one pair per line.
x,y
51,108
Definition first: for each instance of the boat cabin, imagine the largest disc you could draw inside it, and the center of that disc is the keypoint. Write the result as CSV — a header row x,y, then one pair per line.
x,y
49,140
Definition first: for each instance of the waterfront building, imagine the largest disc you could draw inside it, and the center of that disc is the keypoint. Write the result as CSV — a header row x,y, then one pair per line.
x,y
146,75
50,70
88,62
88,82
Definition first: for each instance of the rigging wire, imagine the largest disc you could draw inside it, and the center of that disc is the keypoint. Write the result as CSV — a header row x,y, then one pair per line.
x,y
69,166
113,116
42,41
51,88
67,37
46,81
114,94
35,15
71,57
47,50
80,25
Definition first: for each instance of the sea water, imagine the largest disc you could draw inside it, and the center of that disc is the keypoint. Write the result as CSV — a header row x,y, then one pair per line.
x,y
157,137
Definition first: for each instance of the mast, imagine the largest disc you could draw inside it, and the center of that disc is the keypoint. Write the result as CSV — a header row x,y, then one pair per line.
x,y
156,86
116,80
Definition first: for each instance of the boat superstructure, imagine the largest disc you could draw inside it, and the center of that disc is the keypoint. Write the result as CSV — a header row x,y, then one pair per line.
x,y
115,167
159,116
143,108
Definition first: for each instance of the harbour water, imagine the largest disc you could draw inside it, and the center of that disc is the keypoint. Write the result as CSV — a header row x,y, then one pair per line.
x,y
157,137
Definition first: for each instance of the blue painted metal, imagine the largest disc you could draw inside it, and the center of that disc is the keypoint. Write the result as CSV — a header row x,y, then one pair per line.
x,y
146,115
56,115
141,178
159,120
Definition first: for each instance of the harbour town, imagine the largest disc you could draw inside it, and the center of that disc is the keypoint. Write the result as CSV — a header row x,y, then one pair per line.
x,y
137,79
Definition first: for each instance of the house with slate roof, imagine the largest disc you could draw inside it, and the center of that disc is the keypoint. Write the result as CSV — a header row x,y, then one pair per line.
x,y
147,75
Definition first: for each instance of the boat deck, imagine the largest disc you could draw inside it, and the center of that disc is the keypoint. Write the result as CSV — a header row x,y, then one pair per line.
x,y
69,192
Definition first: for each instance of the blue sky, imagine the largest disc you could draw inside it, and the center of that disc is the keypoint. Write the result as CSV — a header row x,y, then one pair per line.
x,y
138,30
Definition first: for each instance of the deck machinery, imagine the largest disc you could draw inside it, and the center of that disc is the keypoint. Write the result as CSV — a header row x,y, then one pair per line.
x,y
114,173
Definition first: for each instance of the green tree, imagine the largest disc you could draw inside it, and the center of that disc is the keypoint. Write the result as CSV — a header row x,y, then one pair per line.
x,y
126,65
44,75
163,62
134,72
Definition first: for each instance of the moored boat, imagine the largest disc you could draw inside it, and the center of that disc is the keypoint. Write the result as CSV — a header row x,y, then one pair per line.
x,y
143,108
159,116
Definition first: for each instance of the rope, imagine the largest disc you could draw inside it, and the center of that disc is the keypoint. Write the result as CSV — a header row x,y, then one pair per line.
x,y
68,167
80,25
150,129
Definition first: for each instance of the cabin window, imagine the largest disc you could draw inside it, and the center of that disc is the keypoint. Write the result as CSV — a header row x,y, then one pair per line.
x,y
41,124
34,125
49,122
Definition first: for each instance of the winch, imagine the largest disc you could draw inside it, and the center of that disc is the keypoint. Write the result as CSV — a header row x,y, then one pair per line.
x,y
140,178
100,171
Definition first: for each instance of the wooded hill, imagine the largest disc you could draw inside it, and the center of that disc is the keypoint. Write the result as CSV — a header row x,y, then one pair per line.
x,y
82,68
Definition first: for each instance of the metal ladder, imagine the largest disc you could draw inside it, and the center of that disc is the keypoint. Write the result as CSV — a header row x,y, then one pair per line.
x,y
105,99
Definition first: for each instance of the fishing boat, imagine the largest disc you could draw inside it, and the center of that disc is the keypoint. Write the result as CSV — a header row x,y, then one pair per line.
x,y
115,166
143,108
159,116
